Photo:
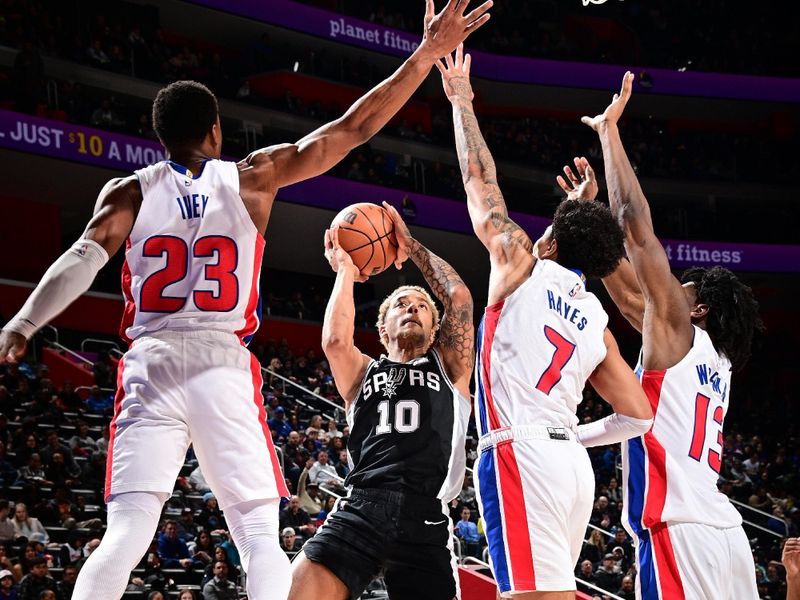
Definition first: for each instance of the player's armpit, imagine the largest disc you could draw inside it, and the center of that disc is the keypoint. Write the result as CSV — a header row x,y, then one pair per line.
x,y
624,289
348,366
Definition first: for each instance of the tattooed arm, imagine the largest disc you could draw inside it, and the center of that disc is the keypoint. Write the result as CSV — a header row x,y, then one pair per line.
x,y
456,332
508,245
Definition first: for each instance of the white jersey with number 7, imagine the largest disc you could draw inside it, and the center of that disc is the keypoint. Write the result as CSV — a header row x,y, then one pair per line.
x,y
536,349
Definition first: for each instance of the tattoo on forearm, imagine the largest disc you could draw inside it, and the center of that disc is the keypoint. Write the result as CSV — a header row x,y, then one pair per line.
x,y
456,333
476,160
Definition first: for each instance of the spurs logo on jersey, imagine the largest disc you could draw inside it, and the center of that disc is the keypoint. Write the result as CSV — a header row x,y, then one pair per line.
x,y
407,429
389,382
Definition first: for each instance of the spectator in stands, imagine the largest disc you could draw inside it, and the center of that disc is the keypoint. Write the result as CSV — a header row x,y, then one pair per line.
x,y
468,532
298,519
343,466
35,582
7,531
626,590
322,471
606,576
8,591
203,548
53,445
309,495
622,540
172,550
595,548
187,528
27,554
156,595
613,492
467,495
96,55
327,508
33,473
94,471
211,518
82,443
58,473
72,551
585,571
8,472
29,446
278,423
198,481
289,541
187,595
105,437
67,583
219,588
26,525
219,555
68,398
98,402
294,455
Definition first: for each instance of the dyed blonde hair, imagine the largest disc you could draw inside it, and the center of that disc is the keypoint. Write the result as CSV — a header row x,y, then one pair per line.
x,y
402,290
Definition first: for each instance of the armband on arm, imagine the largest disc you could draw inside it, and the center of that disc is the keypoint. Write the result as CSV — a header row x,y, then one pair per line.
x,y
612,430
66,280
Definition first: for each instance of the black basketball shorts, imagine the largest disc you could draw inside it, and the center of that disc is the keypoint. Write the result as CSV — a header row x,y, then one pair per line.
x,y
407,536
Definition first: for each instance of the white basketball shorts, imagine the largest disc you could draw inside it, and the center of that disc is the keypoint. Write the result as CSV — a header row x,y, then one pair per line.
x,y
690,561
200,387
536,491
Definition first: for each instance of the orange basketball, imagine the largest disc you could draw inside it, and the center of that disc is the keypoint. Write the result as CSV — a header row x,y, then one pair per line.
x,y
366,233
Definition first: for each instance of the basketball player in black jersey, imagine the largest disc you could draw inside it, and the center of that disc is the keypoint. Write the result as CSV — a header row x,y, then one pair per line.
x,y
408,414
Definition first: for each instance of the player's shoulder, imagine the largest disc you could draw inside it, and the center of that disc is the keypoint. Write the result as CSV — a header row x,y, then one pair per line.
x,y
122,188
257,169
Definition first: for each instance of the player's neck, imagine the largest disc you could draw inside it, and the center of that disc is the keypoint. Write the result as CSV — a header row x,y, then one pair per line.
x,y
191,158
398,352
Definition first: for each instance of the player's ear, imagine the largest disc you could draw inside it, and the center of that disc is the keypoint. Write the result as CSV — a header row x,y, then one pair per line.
x,y
550,251
700,311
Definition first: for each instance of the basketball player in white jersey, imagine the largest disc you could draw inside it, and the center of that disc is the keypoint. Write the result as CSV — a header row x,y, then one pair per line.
x,y
542,338
408,413
194,227
690,543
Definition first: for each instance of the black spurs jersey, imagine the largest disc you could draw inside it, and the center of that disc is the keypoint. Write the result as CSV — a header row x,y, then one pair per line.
x,y
407,429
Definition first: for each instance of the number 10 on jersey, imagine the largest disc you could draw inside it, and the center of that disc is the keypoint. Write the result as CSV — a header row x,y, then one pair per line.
x,y
406,417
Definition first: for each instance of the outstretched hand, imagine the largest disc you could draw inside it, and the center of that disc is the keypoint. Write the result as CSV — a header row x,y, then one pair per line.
x,y
614,110
455,75
402,234
582,186
12,347
791,558
338,258
448,29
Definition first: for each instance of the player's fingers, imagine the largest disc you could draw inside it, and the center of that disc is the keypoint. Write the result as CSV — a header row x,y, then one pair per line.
x,y
451,6
441,67
448,59
586,121
563,183
475,25
467,64
627,85
429,10
459,56
588,170
615,98
478,12
572,177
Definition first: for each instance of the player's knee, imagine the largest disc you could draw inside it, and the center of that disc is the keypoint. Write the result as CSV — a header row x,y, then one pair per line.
x,y
311,580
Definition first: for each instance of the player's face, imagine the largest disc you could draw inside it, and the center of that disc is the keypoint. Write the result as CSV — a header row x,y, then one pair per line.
x,y
410,317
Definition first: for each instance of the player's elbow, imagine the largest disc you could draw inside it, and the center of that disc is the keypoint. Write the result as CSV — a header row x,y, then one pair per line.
x,y
334,342
460,296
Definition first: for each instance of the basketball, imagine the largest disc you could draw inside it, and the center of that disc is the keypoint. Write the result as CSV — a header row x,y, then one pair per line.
x,y
366,233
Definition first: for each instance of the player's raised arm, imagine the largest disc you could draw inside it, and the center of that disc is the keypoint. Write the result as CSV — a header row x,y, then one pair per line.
x,y
73,273
622,285
665,320
320,150
348,364
457,331
487,208
791,561
617,385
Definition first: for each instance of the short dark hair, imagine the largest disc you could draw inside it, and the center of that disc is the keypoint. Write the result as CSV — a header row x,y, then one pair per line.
x,y
589,238
733,316
36,561
183,113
